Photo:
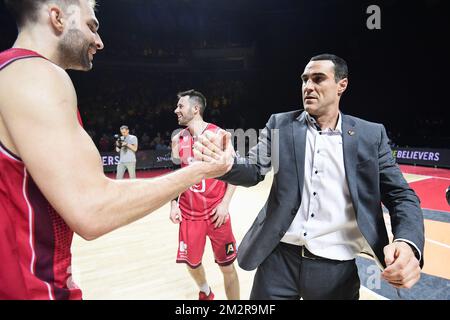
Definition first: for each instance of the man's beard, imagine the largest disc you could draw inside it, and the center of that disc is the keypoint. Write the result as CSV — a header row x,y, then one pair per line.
x,y
74,51
184,121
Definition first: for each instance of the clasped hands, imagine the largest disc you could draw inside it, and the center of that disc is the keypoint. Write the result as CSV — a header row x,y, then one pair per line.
x,y
214,151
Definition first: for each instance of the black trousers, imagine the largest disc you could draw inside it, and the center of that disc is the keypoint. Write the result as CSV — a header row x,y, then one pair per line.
x,y
287,275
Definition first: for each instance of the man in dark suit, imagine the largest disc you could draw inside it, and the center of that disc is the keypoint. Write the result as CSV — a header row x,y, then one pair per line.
x,y
331,174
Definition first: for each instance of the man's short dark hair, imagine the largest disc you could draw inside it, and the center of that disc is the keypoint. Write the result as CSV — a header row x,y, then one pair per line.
x,y
25,11
196,97
340,66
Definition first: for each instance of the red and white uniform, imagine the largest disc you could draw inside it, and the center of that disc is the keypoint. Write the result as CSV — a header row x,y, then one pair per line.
x,y
35,257
196,205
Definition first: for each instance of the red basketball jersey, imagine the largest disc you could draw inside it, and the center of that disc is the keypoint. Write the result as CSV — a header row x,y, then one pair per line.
x,y
198,201
35,257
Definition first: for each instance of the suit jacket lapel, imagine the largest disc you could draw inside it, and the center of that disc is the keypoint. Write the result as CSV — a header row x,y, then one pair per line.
x,y
350,148
299,138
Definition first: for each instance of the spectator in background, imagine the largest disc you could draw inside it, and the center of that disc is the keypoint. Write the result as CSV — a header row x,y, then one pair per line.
x,y
127,145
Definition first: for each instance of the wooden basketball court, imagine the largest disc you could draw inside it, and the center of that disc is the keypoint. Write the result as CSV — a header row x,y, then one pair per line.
x,y
138,261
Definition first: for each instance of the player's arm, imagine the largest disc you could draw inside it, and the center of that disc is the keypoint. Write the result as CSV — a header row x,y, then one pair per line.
x,y
175,153
228,194
221,212
40,117
175,213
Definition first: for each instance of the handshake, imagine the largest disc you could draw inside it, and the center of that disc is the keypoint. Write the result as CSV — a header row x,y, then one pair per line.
x,y
214,153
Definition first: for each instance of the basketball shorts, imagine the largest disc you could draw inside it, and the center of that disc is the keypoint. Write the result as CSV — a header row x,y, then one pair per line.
x,y
192,240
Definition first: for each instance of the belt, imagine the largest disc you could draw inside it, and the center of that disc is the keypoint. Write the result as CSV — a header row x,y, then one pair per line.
x,y
309,255
304,252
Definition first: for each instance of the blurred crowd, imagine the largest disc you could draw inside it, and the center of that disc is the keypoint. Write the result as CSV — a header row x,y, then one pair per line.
x,y
424,132
146,103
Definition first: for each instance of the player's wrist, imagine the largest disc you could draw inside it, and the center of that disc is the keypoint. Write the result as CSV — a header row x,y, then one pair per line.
x,y
225,204
198,171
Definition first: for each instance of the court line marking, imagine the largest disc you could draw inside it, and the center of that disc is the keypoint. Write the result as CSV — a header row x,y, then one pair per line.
x,y
436,210
442,178
426,177
438,243
421,177
426,239
414,180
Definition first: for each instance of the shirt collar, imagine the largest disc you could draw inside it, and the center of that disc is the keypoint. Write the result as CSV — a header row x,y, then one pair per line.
x,y
313,124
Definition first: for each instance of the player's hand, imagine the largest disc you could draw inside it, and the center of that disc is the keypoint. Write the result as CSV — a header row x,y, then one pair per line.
x,y
215,152
220,215
175,213
403,269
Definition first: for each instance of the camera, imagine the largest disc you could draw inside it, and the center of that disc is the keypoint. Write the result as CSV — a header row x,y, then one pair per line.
x,y
120,140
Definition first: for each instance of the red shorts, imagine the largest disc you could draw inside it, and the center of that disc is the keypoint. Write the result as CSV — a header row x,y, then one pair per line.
x,y
192,240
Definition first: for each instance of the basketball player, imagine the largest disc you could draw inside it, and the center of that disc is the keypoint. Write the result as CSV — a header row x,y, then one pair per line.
x,y
202,210
45,194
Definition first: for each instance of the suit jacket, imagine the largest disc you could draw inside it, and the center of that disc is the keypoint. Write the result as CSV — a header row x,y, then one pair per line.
x,y
372,174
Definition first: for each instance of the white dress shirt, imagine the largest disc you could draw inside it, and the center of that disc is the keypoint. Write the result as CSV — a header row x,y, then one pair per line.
x,y
325,222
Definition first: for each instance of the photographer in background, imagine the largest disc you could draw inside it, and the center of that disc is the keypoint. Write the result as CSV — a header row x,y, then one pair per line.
x,y
127,145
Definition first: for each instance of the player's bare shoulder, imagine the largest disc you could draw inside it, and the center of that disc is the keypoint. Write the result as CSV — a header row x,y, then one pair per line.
x,y
33,76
